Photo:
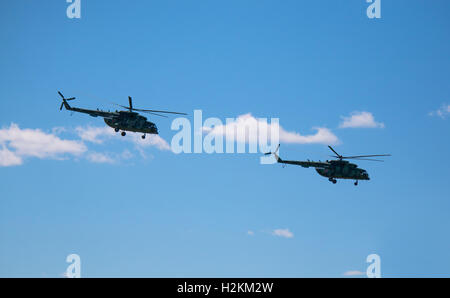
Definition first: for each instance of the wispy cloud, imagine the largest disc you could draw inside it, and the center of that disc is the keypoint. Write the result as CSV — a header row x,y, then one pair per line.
x,y
360,120
285,233
96,135
17,144
255,127
150,141
98,157
354,273
442,112
9,158
108,157
99,135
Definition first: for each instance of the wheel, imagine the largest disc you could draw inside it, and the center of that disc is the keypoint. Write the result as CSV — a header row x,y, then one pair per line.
x,y
116,129
356,183
123,133
334,181
143,137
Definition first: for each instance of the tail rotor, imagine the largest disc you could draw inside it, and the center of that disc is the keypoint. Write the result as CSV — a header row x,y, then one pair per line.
x,y
275,152
64,100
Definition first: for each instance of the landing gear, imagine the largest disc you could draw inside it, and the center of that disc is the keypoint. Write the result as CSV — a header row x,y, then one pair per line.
x,y
116,129
123,133
333,180
143,137
356,183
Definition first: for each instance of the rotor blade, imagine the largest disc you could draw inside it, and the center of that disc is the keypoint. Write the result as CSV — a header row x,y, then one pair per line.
x,y
60,94
142,110
357,156
125,107
276,150
370,159
338,155
131,103
156,114
61,106
148,111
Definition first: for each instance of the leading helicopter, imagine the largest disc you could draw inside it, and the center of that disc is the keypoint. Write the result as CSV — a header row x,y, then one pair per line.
x,y
334,169
124,121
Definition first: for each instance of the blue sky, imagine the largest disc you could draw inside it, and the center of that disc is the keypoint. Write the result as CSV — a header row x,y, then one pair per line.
x,y
138,210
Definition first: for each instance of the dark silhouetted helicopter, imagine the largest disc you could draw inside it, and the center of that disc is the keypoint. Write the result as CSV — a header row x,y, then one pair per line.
x,y
122,120
334,169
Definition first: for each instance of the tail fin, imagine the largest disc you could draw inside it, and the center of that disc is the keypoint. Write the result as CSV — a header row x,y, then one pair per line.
x,y
64,101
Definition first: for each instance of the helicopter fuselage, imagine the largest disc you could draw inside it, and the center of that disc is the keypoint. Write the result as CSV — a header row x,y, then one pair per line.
x,y
119,120
333,169
127,120
131,121
342,169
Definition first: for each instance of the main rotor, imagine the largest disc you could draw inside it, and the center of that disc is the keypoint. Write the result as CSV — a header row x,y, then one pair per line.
x,y
153,112
357,157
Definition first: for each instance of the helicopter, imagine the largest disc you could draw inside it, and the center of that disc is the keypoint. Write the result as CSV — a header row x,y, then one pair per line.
x,y
333,169
127,120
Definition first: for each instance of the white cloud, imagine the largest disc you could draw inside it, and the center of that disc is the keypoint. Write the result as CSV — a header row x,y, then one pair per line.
x,y
9,158
97,157
442,112
99,135
250,233
20,143
353,273
126,154
16,144
360,120
256,126
150,141
58,130
322,136
95,135
109,158
285,233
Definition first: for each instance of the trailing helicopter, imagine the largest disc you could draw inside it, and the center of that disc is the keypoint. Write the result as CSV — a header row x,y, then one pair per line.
x,y
334,169
124,121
